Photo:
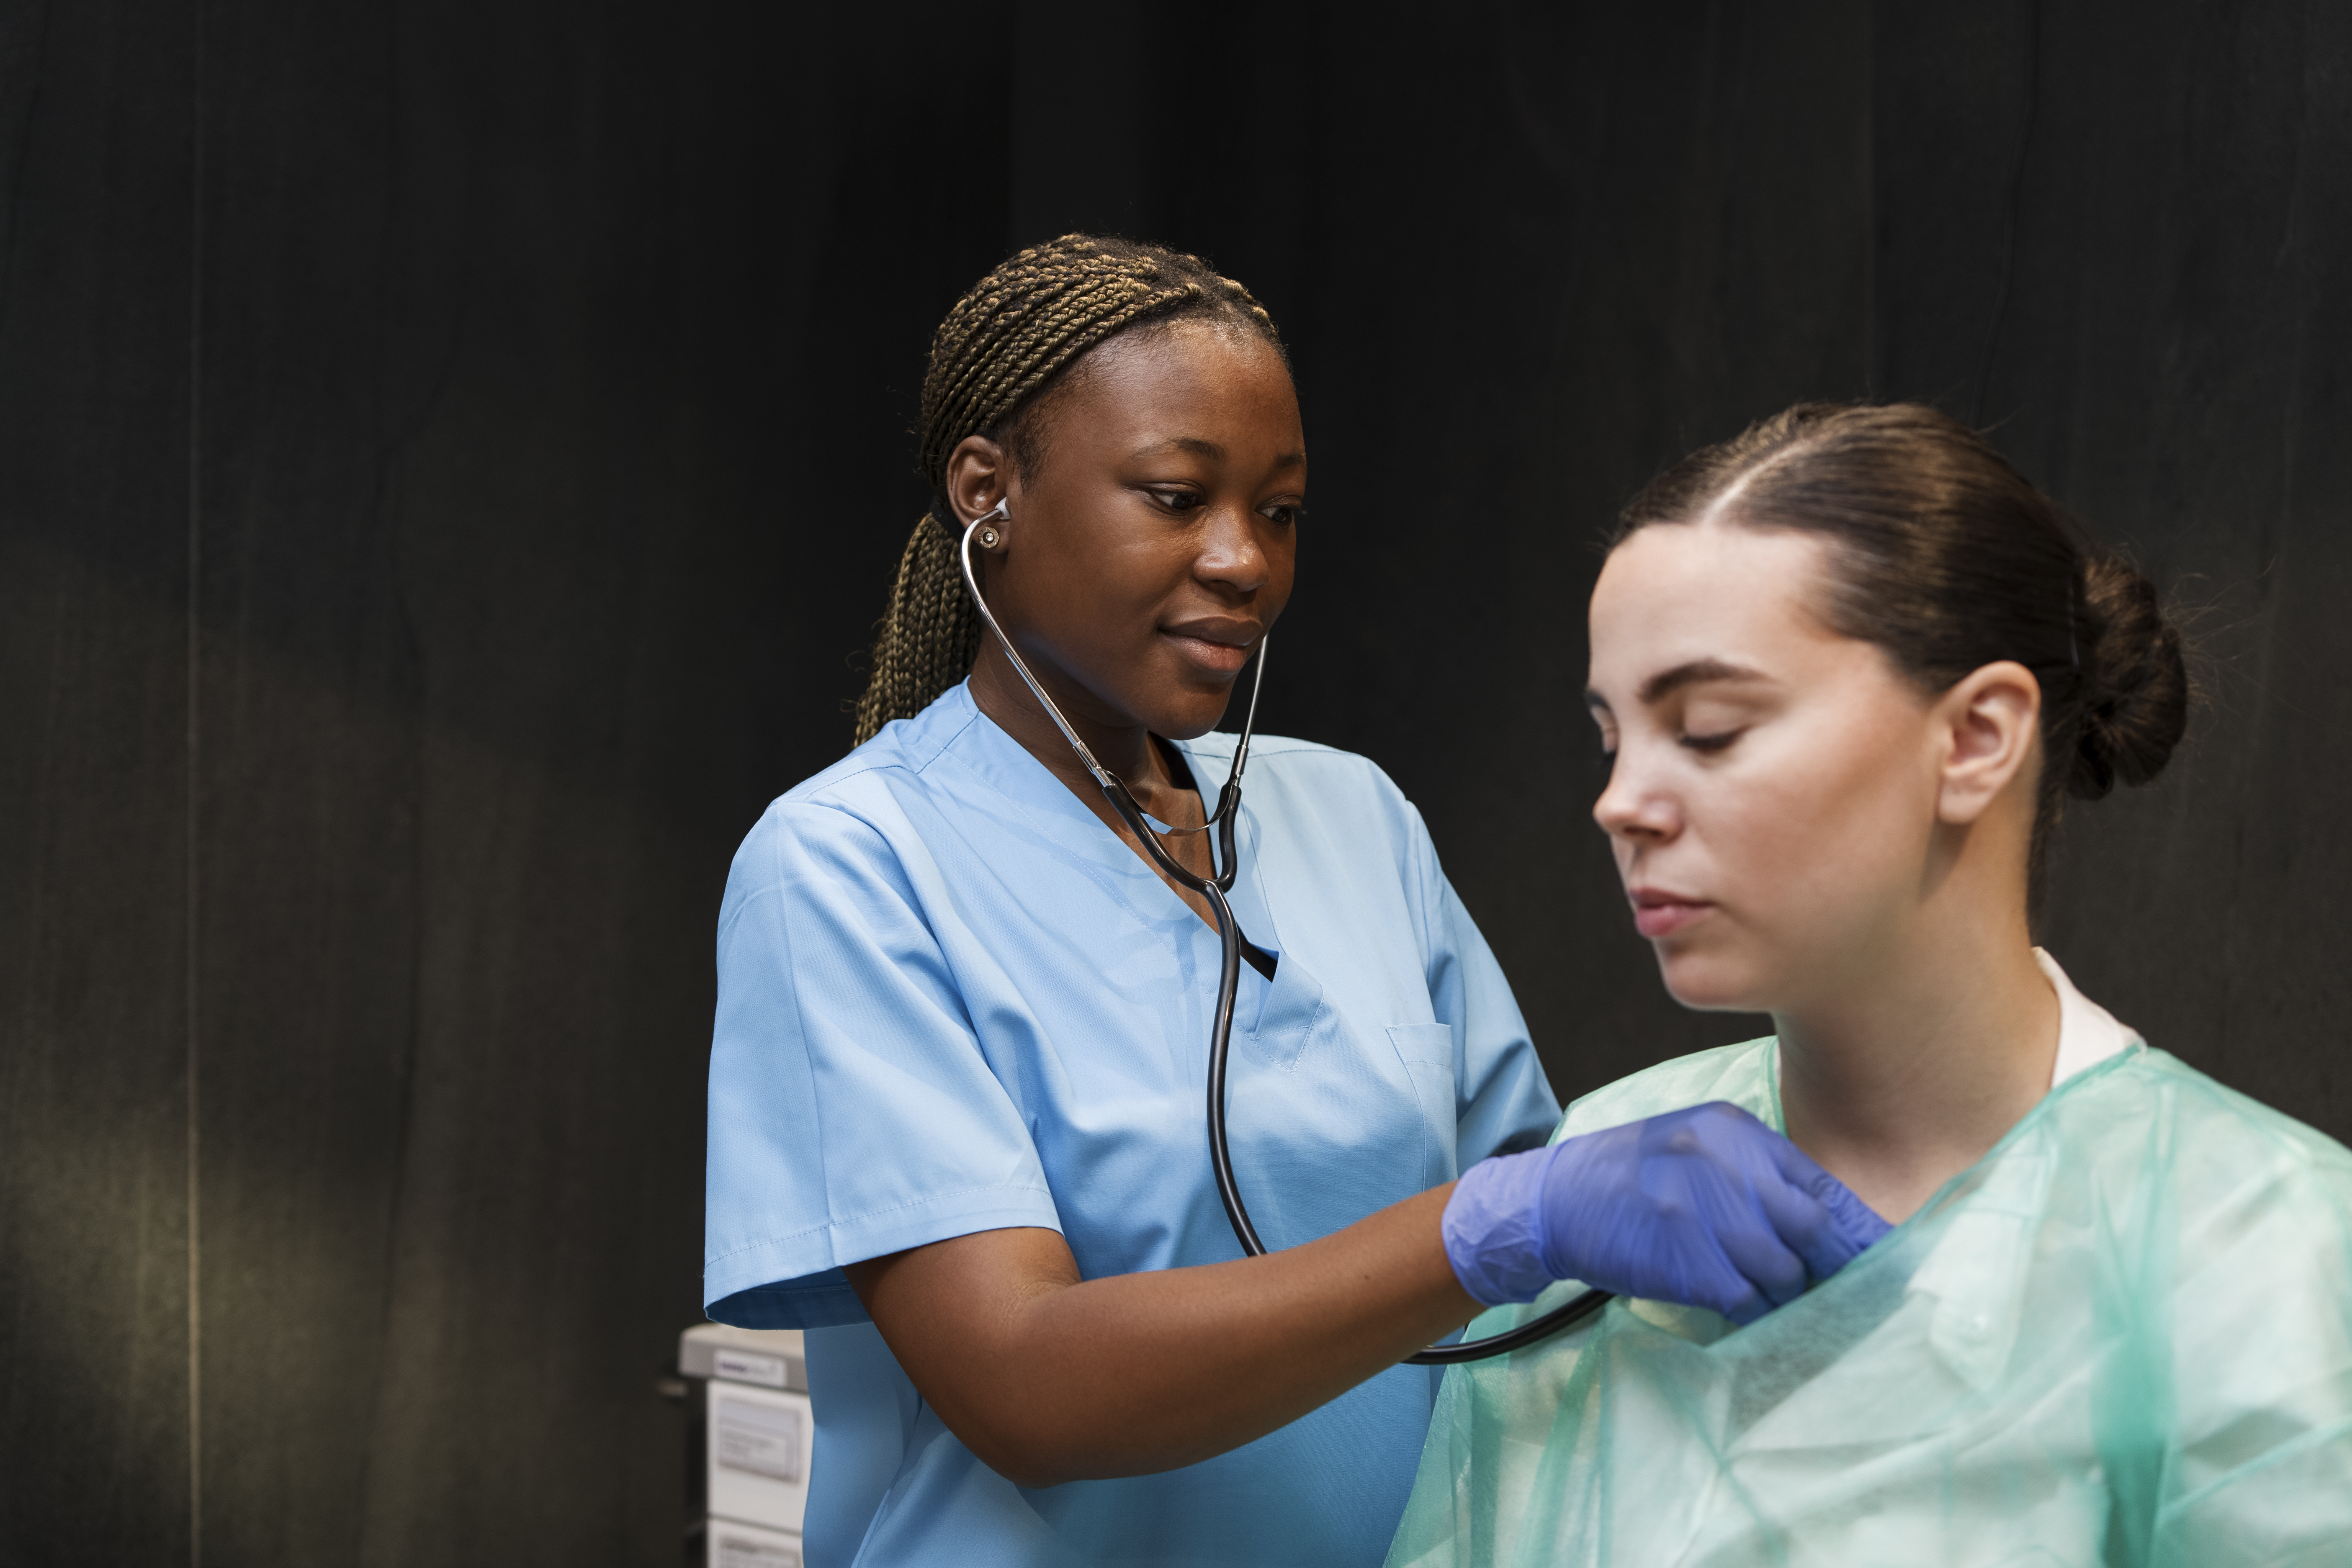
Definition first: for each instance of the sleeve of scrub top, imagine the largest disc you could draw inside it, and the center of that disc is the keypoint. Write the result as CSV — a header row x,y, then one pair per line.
x,y
851,1114
1502,1099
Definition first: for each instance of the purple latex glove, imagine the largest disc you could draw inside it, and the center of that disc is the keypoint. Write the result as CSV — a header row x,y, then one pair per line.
x,y
1706,1206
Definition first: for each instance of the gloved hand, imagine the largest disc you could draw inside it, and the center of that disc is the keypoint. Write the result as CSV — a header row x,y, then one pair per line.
x,y
1706,1206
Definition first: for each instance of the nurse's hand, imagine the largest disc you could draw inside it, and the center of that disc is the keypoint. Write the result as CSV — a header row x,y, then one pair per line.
x,y
1706,1206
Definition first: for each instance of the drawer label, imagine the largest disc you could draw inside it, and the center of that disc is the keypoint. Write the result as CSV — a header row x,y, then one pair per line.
x,y
749,1367
759,1439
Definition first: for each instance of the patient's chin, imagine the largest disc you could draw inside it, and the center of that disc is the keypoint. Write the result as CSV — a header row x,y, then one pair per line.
x,y
1709,982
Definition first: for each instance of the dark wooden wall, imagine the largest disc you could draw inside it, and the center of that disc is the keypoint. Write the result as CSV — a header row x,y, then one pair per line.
x,y
448,452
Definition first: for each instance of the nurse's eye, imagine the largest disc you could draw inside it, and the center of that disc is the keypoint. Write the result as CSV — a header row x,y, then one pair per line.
x,y
1179,501
1287,512
1716,742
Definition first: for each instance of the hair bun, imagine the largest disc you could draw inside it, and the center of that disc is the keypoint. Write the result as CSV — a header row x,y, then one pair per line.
x,y
2135,683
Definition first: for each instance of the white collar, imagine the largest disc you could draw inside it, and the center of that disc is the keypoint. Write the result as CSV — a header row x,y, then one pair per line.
x,y
2087,1033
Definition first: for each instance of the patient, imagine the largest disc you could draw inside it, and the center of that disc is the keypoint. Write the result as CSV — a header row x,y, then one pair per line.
x,y
1850,665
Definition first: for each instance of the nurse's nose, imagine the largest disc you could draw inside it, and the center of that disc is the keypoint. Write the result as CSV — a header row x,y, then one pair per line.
x,y
1231,552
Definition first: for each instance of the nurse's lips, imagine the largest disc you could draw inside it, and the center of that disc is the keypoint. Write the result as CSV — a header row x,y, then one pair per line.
x,y
1657,912
1214,643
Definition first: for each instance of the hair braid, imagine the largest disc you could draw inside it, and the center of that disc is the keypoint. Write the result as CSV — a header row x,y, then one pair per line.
x,y
1000,346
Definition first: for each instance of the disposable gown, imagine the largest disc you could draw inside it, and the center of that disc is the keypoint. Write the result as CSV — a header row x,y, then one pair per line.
x,y
2123,1337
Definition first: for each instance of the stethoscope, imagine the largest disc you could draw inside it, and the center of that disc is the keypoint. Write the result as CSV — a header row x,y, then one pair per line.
x,y
1229,940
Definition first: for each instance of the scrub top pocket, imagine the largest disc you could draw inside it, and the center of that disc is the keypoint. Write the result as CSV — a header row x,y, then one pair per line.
x,y
1427,1051
1289,1015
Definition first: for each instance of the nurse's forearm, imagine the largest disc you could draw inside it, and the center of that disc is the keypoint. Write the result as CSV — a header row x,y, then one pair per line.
x,y
1049,1378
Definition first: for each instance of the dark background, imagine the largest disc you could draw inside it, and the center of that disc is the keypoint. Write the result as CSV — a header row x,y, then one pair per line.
x,y
449,451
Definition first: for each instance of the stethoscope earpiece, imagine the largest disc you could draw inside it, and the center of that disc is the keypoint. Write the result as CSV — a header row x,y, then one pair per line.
x,y
988,535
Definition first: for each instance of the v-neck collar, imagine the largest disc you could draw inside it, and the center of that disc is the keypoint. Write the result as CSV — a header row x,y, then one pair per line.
x,y
983,747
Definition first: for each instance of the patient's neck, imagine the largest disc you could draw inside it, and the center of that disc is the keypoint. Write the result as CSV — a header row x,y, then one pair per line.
x,y
1915,1058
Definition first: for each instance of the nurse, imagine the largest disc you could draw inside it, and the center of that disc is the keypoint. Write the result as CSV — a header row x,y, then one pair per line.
x,y
959,1061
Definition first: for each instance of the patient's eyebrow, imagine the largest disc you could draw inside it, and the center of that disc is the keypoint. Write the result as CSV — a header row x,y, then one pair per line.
x,y
1665,682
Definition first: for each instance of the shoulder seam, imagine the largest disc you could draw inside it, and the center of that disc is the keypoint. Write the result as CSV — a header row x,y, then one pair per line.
x,y
897,759
946,741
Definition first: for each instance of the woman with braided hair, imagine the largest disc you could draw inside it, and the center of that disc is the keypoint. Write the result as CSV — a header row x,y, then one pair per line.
x,y
959,1056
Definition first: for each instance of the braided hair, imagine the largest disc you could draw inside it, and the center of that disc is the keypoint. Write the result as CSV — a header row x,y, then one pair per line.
x,y
995,361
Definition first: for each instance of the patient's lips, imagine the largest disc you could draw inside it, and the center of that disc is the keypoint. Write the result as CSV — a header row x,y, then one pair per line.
x,y
1659,912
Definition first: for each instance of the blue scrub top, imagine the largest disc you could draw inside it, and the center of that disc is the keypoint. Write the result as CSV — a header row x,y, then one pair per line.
x,y
952,1001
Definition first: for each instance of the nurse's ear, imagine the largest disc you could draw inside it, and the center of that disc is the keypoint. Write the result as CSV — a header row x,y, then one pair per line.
x,y
1986,726
978,478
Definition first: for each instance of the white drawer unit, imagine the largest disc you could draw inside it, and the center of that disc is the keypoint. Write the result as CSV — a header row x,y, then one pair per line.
x,y
758,1434
758,1440
734,1544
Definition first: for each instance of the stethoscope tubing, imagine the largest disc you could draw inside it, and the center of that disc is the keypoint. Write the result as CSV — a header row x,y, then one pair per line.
x,y
1229,941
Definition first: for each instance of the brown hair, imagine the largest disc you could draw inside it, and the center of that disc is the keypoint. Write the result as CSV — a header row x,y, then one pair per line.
x,y
1948,559
1003,352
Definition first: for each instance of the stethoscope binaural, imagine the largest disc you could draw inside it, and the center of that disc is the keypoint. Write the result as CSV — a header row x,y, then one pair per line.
x,y
1229,939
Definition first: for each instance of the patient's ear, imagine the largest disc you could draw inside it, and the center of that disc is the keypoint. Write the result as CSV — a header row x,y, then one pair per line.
x,y
1989,722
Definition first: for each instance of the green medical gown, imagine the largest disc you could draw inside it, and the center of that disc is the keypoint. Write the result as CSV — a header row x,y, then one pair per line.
x,y
2123,1337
